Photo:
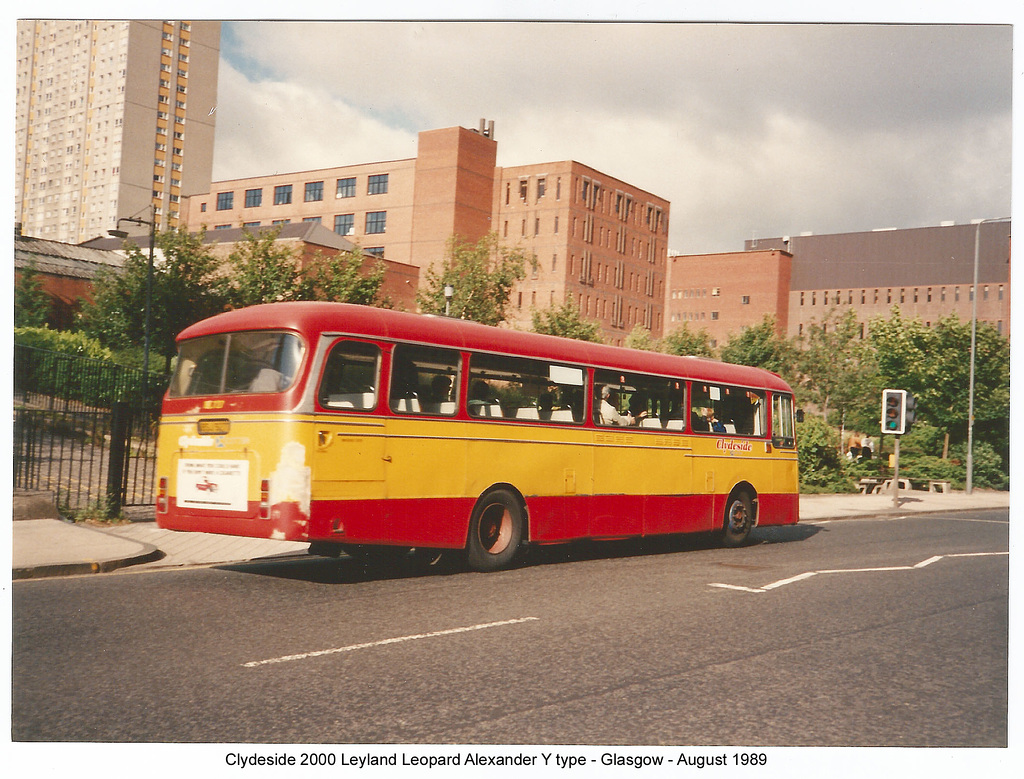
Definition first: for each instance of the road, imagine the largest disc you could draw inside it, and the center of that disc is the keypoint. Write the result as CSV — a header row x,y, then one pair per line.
x,y
859,632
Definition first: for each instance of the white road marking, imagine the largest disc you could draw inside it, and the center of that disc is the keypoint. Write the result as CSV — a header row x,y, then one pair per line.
x,y
903,516
385,642
808,574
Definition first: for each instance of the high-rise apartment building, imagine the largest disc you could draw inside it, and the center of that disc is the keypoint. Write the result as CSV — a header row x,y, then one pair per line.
x,y
596,240
112,119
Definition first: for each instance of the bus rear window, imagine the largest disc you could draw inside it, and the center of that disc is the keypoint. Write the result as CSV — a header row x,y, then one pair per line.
x,y
237,363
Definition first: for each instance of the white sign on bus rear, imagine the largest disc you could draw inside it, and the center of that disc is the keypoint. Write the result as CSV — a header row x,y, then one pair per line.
x,y
219,485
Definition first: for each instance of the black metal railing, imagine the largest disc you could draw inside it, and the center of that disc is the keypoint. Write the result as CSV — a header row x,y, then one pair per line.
x,y
84,429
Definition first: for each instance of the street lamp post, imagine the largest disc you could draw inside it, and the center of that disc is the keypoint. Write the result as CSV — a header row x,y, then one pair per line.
x,y
969,485
149,278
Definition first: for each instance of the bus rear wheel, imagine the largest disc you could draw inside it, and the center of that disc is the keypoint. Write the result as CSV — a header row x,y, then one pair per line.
x,y
739,519
495,531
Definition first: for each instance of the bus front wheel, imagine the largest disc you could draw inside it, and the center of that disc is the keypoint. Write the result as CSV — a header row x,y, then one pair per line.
x,y
739,519
495,531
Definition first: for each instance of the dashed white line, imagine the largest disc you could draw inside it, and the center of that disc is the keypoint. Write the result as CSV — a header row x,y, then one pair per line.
x,y
385,642
808,574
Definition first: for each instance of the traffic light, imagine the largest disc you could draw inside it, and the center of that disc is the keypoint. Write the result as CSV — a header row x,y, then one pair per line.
x,y
909,412
894,411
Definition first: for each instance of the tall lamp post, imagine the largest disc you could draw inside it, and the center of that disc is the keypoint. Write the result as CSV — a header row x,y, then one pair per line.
x,y
149,278
969,486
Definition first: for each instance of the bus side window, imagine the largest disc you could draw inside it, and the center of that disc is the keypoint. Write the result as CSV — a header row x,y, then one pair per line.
x,y
524,389
350,377
424,380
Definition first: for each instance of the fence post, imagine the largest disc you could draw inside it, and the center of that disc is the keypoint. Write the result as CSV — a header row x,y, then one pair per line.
x,y
120,426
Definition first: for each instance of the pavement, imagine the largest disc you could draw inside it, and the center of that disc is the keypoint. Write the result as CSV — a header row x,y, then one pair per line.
x,y
45,544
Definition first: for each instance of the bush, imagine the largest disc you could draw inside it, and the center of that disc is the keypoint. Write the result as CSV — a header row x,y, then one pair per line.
x,y
989,470
62,341
822,468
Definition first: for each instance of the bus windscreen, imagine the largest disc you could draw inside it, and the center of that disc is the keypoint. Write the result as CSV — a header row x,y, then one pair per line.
x,y
237,363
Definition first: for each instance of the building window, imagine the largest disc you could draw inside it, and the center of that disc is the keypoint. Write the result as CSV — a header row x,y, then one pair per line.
x,y
315,219
283,195
541,188
714,315
314,191
523,184
745,300
376,222
253,198
346,188
225,201
345,224
377,185
375,251
250,225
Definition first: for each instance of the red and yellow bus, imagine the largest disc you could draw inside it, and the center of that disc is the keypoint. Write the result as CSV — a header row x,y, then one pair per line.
x,y
359,429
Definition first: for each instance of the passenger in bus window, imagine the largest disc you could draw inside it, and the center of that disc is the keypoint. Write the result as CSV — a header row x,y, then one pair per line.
x,y
609,413
637,408
481,401
713,423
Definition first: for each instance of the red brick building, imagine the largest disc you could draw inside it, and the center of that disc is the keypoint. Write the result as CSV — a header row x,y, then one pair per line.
x,y
725,293
928,272
597,240
66,273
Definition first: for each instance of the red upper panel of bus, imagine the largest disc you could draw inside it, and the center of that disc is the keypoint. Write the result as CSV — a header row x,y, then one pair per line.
x,y
312,319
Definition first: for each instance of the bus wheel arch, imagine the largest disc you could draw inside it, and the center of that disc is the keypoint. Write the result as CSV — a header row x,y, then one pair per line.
x,y
740,515
497,528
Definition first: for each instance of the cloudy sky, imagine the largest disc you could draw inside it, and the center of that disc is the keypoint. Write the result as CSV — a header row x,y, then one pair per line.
x,y
749,130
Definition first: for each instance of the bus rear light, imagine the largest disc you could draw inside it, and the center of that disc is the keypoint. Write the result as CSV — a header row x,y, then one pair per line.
x,y
265,499
161,495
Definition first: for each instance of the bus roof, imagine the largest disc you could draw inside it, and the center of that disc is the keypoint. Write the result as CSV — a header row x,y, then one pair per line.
x,y
315,318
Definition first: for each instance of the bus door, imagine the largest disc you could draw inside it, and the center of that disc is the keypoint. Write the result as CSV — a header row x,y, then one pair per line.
x,y
349,446
425,457
784,458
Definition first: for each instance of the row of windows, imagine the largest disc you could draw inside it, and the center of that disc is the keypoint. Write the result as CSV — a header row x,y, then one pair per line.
x,y
376,223
313,192
427,380
917,294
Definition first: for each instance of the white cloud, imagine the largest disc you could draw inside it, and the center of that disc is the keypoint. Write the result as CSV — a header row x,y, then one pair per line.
x,y
746,129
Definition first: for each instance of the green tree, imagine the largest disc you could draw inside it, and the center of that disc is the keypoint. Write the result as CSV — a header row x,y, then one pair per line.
x,y
482,276
340,278
761,346
685,342
186,288
31,303
640,338
934,363
837,366
263,270
566,321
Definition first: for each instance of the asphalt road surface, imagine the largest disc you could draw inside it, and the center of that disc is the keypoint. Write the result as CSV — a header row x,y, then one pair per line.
x,y
867,632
